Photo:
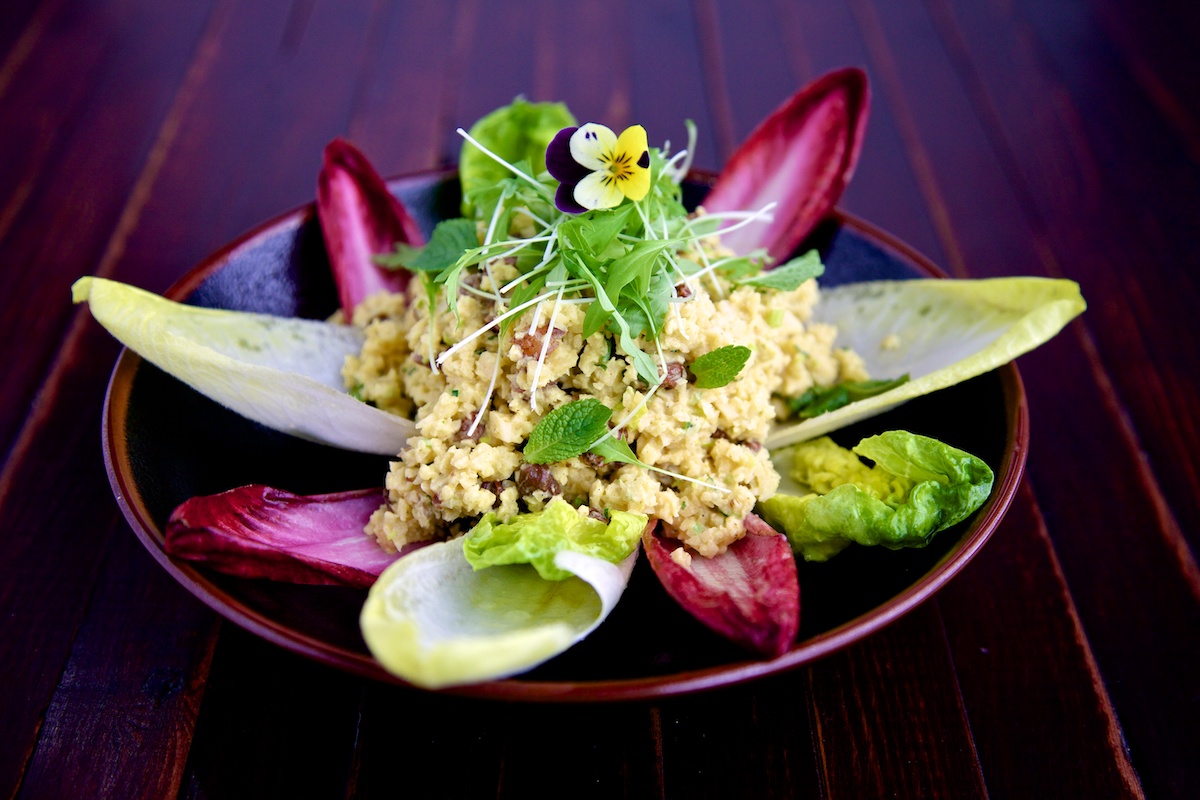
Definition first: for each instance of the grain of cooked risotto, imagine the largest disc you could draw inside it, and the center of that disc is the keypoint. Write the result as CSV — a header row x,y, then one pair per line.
x,y
457,468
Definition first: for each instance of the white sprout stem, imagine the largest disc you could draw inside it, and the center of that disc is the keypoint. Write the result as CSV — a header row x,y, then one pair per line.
x,y
708,270
433,367
479,292
487,397
636,410
697,481
746,217
672,166
645,221
525,210
524,243
544,265
460,345
613,431
537,370
497,158
487,239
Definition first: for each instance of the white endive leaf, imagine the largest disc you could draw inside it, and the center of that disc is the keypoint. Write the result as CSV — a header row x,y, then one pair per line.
x,y
939,332
435,622
283,373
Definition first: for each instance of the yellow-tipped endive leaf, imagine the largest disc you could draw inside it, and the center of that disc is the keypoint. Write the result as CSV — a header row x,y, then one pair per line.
x,y
434,621
283,373
938,332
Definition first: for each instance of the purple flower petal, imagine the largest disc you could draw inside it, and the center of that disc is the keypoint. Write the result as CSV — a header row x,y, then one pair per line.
x,y
559,162
565,200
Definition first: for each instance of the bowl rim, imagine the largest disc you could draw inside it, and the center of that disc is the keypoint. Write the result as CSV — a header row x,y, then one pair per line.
x,y
129,498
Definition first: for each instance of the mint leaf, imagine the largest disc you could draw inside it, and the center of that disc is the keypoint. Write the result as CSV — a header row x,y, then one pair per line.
x,y
567,431
451,238
719,367
789,276
614,449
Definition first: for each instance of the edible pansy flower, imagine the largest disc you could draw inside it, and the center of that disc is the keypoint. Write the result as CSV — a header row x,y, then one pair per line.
x,y
598,169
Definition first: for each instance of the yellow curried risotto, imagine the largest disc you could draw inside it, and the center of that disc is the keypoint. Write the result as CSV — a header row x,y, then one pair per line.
x,y
465,462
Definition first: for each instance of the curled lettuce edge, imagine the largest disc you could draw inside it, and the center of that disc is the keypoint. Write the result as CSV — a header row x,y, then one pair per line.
x,y
536,538
435,622
948,331
284,373
945,485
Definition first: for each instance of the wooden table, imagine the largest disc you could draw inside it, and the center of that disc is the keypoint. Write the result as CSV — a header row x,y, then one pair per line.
x,y
1007,137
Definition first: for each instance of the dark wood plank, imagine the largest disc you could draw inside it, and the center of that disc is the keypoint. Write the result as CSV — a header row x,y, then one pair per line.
x,y
272,724
886,186
1083,442
755,740
473,749
21,25
120,722
58,519
664,63
1087,194
1001,614
404,99
77,141
889,719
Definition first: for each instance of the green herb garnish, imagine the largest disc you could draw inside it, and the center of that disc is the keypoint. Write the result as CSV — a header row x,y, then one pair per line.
x,y
719,367
567,431
450,239
789,276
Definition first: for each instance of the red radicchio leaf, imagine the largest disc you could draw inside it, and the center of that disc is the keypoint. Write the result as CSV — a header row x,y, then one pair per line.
x,y
260,532
360,219
749,594
801,156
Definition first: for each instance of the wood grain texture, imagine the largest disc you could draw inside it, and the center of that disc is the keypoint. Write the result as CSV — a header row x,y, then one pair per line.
x,y
1007,137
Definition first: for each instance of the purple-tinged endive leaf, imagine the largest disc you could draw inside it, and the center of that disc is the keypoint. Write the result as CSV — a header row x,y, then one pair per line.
x,y
361,219
749,594
801,157
260,532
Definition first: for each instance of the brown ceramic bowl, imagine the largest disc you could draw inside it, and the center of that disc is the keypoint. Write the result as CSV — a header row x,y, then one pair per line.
x,y
164,443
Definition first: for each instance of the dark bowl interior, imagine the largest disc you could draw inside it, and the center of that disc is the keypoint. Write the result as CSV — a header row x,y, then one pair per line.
x,y
165,443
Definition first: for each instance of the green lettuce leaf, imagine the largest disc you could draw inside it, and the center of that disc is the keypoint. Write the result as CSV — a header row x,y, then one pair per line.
x,y
917,487
939,332
520,131
434,621
283,373
537,538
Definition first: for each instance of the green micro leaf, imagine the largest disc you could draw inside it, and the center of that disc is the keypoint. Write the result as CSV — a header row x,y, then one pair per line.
x,y
451,238
567,431
613,449
789,276
719,367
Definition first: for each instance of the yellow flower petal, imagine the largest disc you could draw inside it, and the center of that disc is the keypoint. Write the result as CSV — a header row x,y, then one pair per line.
x,y
599,190
593,145
631,144
631,152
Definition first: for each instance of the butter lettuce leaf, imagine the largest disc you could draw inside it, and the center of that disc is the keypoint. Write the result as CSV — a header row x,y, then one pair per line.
x,y
830,498
516,132
281,372
434,621
939,332
537,538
